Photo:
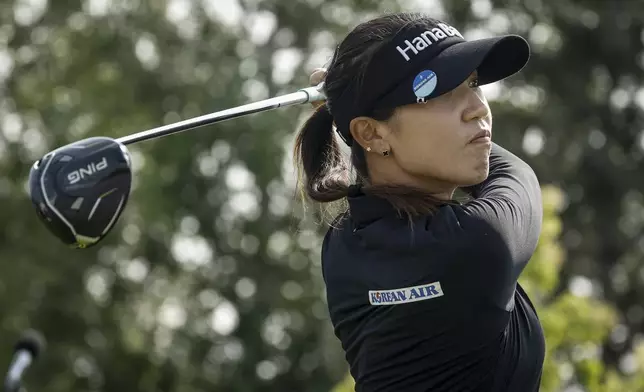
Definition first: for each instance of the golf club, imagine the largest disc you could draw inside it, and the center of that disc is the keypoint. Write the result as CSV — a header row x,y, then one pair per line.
x,y
80,190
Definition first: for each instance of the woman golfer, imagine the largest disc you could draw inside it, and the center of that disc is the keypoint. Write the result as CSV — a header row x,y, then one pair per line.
x,y
422,290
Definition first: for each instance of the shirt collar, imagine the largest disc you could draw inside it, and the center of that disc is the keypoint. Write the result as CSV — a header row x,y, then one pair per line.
x,y
365,208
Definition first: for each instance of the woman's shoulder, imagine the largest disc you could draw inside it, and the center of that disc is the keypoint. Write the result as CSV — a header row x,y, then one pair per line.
x,y
395,233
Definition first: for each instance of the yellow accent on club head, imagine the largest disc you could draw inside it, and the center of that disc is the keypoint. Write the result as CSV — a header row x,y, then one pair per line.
x,y
107,193
83,242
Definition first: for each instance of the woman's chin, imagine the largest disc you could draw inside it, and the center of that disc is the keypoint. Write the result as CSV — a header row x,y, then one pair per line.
x,y
476,177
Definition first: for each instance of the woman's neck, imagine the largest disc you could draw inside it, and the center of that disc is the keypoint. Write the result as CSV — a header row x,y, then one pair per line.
x,y
438,189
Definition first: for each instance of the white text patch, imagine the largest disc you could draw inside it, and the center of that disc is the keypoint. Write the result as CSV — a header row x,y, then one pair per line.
x,y
406,294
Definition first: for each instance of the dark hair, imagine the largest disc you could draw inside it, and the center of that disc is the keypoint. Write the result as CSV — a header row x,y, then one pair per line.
x,y
324,173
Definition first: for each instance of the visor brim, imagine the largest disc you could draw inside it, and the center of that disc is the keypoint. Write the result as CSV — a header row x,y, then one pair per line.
x,y
495,59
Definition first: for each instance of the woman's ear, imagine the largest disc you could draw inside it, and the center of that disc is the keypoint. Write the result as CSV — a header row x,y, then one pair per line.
x,y
369,133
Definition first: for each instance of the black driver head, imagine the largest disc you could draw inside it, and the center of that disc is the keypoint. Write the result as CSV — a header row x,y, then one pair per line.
x,y
80,190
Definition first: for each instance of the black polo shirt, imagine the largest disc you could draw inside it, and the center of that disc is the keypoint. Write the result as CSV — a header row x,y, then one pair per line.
x,y
434,304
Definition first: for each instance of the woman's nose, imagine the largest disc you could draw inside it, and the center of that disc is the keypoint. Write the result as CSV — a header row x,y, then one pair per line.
x,y
477,107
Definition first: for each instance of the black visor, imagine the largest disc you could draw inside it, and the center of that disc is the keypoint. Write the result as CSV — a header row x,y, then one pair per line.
x,y
424,62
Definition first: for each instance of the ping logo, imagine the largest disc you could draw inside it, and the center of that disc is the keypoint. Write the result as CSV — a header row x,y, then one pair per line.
x,y
89,170
426,39
406,294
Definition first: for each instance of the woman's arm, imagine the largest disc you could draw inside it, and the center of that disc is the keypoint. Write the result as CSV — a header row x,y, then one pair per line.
x,y
509,200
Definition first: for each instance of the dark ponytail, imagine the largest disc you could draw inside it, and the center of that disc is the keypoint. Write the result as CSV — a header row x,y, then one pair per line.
x,y
323,171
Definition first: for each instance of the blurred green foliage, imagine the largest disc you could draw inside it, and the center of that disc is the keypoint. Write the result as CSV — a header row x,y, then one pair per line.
x,y
211,280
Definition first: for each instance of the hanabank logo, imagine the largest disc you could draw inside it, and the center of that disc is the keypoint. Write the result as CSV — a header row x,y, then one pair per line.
x,y
427,39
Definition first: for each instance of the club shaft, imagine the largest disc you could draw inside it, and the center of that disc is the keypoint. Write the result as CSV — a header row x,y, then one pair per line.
x,y
311,94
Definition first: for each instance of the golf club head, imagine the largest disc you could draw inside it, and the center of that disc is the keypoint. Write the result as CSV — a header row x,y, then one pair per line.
x,y
80,190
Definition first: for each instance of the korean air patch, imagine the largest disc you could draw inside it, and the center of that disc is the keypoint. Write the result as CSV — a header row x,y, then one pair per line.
x,y
405,294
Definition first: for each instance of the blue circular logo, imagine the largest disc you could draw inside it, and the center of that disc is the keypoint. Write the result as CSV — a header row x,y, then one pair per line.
x,y
424,84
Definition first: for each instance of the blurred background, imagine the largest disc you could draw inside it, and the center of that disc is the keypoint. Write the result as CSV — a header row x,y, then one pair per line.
x,y
211,280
